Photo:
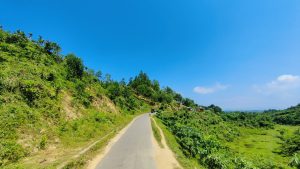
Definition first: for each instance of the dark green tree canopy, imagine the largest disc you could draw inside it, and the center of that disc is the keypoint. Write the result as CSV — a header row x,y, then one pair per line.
x,y
75,66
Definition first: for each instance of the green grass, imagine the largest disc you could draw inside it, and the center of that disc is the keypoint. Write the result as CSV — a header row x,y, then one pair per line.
x,y
67,152
156,133
186,163
261,145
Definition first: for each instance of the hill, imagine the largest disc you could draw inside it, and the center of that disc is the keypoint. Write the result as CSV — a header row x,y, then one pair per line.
x,y
289,116
51,104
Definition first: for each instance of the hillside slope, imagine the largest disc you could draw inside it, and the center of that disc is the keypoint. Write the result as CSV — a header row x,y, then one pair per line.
x,y
51,105
49,101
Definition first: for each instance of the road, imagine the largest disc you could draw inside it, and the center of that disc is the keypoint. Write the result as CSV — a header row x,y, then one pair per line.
x,y
134,150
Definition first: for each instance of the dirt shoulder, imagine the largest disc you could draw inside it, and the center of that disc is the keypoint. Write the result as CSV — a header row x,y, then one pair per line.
x,y
164,157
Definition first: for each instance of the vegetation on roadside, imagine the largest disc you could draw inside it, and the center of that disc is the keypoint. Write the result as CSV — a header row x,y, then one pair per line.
x,y
233,140
50,102
51,106
185,162
156,133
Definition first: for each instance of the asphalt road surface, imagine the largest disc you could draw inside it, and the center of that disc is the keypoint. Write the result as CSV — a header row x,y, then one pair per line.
x,y
134,150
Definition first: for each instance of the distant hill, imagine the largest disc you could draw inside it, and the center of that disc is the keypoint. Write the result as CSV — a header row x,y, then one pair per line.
x,y
289,116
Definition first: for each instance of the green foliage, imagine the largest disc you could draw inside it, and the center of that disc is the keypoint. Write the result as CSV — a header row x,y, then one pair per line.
x,y
47,98
75,66
142,85
156,133
291,145
229,140
215,162
43,143
10,152
295,161
249,119
194,143
241,163
187,163
290,116
52,48
42,90
188,102
215,108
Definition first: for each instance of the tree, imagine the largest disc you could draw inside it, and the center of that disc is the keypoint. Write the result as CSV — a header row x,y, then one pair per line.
x,y
123,82
216,109
75,66
168,90
18,37
188,102
52,48
156,85
108,78
40,40
141,79
178,97
142,84
30,35
98,74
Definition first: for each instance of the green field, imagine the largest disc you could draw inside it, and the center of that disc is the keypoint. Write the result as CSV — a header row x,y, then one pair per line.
x,y
236,140
262,145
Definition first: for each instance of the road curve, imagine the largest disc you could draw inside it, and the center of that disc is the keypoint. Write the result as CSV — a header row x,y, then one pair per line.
x,y
134,150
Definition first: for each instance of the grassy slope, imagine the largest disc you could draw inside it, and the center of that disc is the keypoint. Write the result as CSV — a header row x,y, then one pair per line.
x,y
156,133
46,118
261,145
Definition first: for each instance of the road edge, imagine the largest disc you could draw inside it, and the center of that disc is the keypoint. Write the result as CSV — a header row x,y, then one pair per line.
x,y
92,164
162,152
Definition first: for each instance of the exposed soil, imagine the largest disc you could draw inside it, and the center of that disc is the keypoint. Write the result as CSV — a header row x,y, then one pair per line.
x,y
165,158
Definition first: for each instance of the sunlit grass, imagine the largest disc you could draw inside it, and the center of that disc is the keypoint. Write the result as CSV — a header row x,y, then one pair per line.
x,y
156,133
262,145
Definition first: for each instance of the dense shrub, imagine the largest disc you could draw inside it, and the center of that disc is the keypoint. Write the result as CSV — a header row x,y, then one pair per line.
x,y
10,152
289,116
248,119
291,145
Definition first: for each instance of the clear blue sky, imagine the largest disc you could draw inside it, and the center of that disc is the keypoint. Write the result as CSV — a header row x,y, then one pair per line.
x,y
239,54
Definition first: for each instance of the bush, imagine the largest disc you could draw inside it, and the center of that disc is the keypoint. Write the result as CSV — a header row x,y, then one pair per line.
x,y
215,162
10,152
291,145
295,162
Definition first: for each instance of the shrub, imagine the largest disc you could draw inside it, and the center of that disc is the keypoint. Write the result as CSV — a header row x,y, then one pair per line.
x,y
43,143
291,145
295,161
215,162
10,152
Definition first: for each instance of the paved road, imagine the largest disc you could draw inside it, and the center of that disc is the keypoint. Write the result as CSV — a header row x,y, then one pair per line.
x,y
134,150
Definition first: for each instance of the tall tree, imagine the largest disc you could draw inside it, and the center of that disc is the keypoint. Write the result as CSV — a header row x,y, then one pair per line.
x,y
74,66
